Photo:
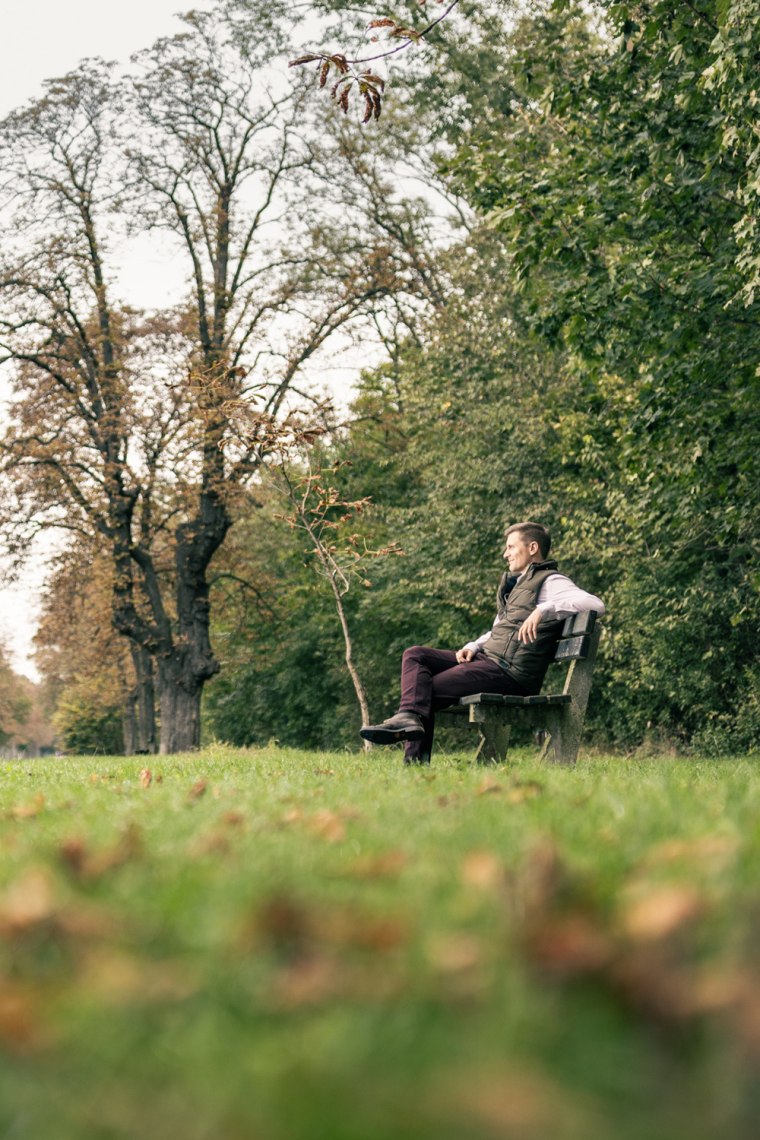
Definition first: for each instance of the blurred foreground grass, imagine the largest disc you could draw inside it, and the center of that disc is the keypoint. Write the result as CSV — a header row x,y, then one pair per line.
x,y
276,944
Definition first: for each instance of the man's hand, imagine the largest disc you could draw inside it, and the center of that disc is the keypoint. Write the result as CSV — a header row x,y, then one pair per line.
x,y
464,655
528,629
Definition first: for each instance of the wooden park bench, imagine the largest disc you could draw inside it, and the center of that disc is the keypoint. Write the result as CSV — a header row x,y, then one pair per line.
x,y
559,716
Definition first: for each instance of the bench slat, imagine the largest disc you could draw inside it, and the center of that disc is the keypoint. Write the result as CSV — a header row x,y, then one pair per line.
x,y
579,623
512,701
573,648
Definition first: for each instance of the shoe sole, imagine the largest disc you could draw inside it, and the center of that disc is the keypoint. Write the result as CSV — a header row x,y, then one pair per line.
x,y
390,735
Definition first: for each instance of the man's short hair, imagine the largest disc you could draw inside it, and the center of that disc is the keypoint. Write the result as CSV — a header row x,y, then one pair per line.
x,y
532,532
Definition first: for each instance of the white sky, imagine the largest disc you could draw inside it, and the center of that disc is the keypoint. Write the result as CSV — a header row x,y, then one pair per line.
x,y
43,39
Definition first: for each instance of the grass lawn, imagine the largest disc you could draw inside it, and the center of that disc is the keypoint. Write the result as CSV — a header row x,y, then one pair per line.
x,y
277,944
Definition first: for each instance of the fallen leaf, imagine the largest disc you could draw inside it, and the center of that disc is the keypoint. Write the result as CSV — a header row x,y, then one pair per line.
x,y
539,882
327,825
454,953
652,985
568,946
20,1019
520,791
660,912
215,843
146,778
387,865
292,815
511,1103
717,850
233,818
296,930
308,981
30,810
27,903
118,978
197,791
73,852
88,864
482,870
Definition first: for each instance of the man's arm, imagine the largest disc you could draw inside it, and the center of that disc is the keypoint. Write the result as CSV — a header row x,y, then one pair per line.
x,y
558,598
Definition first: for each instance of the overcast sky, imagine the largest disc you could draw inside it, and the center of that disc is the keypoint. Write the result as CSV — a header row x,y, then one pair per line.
x,y
43,39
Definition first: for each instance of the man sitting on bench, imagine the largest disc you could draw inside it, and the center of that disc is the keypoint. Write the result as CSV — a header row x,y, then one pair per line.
x,y
532,602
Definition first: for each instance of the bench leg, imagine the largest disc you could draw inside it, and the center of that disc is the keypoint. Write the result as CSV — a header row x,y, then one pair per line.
x,y
564,739
494,736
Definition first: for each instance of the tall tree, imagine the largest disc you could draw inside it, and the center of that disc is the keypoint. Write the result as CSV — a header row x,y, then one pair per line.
x,y
124,422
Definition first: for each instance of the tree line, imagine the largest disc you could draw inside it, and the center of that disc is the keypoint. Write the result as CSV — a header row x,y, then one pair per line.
x,y
576,342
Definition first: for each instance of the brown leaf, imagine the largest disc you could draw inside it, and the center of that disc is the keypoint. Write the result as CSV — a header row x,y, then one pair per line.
x,y
308,981
519,791
652,985
233,818
88,864
715,850
488,786
292,815
27,903
73,852
29,810
197,791
500,1103
122,979
660,912
327,825
539,882
454,953
482,870
146,778
214,843
568,946
20,1019
387,865
295,930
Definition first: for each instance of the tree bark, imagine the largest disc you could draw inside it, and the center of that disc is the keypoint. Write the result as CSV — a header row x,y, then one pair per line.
x,y
179,698
144,702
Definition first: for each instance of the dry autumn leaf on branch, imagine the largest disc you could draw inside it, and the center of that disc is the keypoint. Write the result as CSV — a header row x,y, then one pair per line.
x,y
356,76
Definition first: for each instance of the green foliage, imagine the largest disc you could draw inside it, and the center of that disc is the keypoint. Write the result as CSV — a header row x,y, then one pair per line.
x,y
87,726
14,703
619,185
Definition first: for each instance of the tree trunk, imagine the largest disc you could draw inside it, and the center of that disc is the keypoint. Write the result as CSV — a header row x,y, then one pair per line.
x,y
129,723
179,699
144,702
361,694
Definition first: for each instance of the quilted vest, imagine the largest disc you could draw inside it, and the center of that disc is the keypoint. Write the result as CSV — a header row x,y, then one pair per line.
x,y
526,662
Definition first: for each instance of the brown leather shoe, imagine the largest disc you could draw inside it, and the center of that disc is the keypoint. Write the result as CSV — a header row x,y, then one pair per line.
x,y
403,725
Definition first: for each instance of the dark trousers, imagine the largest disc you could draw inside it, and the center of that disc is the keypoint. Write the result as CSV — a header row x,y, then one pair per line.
x,y
432,680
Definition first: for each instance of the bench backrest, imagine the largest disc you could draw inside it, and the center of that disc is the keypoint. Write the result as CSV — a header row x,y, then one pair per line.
x,y
575,639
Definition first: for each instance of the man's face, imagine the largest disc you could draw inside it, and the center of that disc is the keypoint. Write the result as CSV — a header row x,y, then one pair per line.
x,y
518,553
